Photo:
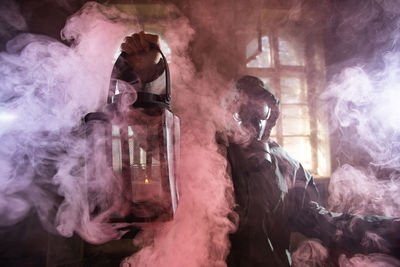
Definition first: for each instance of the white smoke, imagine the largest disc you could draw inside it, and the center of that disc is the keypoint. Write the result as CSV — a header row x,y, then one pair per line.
x,y
310,253
375,259
368,182
46,89
363,100
365,105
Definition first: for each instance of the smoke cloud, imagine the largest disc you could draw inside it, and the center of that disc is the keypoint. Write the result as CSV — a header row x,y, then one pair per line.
x,y
374,259
362,102
310,253
47,87
198,235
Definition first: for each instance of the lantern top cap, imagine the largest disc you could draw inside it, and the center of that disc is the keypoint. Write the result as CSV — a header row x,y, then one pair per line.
x,y
122,71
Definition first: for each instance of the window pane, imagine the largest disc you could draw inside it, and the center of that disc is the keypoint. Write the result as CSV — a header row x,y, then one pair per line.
x,y
293,90
295,120
263,59
267,82
291,54
252,48
323,151
273,133
300,149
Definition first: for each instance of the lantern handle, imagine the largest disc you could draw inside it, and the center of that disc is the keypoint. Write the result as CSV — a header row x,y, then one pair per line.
x,y
122,58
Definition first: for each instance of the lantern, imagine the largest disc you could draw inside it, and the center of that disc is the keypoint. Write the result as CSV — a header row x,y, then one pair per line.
x,y
134,141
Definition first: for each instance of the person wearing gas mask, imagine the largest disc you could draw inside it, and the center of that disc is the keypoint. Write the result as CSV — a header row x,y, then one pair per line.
x,y
274,194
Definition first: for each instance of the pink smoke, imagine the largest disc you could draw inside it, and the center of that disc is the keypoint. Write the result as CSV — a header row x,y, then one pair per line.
x,y
198,235
50,87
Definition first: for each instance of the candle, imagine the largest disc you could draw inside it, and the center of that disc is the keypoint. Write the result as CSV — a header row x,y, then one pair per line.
x,y
146,189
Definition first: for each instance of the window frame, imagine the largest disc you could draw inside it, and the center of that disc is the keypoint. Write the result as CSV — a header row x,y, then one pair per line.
x,y
275,73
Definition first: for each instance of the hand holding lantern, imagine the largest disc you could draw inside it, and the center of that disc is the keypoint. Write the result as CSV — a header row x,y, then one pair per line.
x,y
141,55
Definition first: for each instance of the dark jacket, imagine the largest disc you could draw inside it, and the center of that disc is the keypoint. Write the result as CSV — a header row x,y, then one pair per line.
x,y
276,196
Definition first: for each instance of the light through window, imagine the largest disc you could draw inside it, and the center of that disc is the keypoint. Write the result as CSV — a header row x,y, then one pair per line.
x,y
281,64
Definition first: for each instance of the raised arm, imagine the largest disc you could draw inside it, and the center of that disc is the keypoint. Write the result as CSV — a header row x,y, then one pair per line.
x,y
344,233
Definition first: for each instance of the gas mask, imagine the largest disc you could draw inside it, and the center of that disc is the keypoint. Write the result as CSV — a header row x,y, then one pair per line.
x,y
251,110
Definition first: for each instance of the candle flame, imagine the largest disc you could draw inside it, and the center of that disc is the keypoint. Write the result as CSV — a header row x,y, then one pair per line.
x,y
146,181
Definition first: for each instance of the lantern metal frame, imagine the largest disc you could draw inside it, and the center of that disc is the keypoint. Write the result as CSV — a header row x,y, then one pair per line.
x,y
168,134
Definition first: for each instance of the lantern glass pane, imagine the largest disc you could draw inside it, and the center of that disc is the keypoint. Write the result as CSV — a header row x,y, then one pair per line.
x,y
144,162
136,152
116,149
145,169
